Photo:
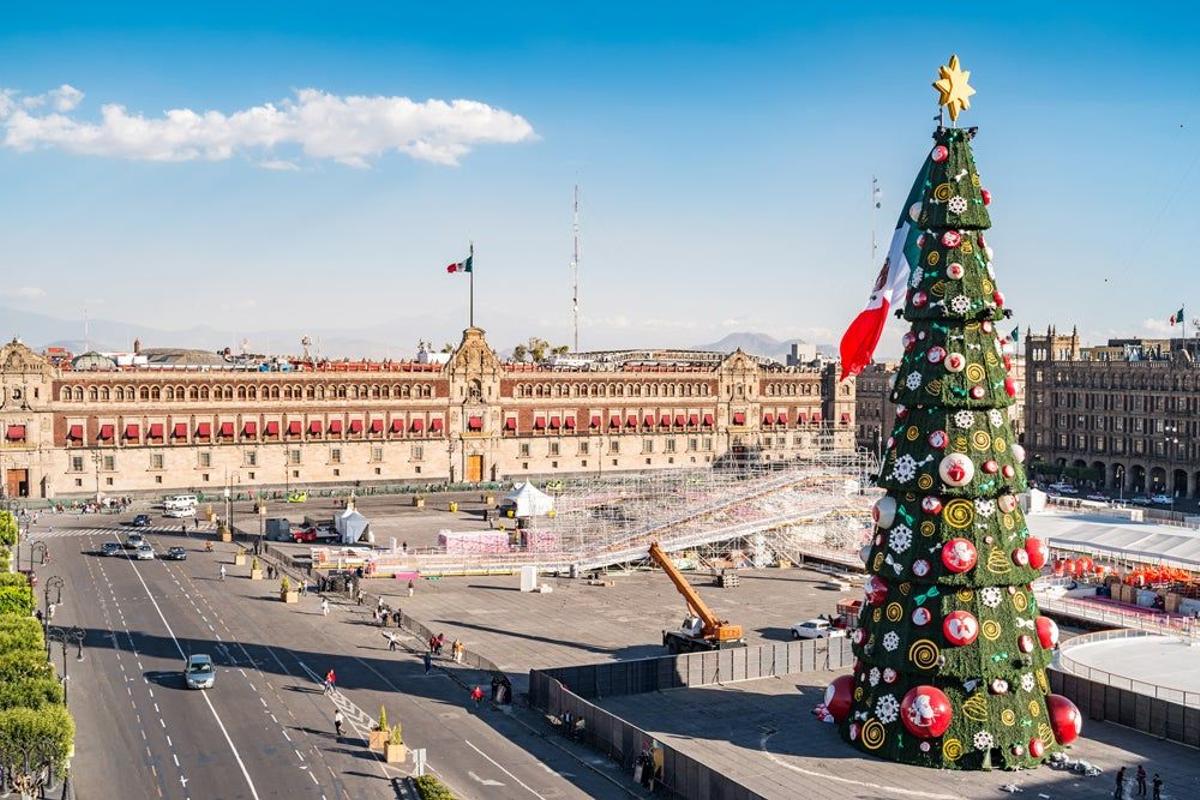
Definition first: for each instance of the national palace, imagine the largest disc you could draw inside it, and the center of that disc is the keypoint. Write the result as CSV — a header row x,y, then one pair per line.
x,y
92,427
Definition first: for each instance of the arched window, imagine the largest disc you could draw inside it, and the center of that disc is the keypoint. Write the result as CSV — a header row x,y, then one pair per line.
x,y
93,394
155,393
144,393
118,394
203,392
475,390
64,394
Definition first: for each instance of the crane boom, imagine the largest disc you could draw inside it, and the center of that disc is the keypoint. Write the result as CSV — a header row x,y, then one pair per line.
x,y
714,627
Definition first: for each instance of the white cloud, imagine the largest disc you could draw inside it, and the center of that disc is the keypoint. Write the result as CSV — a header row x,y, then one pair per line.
x,y
350,130
24,293
279,165
1160,326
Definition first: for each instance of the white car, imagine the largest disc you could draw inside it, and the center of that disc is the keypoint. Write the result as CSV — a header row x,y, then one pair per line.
x,y
815,629
180,513
1140,500
1162,499
1098,497
144,553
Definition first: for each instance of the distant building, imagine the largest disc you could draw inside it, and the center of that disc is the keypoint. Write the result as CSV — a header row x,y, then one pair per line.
x,y
801,353
1127,411
874,410
184,419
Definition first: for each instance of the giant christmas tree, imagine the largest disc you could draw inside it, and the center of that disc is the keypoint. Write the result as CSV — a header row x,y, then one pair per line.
x,y
952,652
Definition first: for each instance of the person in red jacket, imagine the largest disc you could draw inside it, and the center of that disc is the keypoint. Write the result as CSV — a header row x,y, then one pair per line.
x,y
477,696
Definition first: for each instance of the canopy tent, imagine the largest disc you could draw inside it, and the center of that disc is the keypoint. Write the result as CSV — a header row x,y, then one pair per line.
x,y
351,526
1134,541
530,501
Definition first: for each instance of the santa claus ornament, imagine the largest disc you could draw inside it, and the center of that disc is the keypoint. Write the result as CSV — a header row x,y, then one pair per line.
x,y
959,555
926,712
960,628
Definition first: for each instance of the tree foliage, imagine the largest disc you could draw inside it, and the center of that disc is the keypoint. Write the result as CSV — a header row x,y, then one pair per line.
x,y
33,741
16,600
23,664
8,528
31,693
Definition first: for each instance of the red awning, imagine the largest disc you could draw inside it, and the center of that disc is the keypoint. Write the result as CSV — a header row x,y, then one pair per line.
x,y
15,433
768,419
418,425
249,428
106,432
648,421
664,420
569,423
694,419
226,430
295,427
435,425
595,423
204,429
272,428
510,424
783,418
631,421
802,418
397,426
539,423
476,423
739,418
614,421
376,426
156,431
356,426
314,427
133,431
679,420
708,420
75,433
335,426
845,418
555,423
816,417
180,431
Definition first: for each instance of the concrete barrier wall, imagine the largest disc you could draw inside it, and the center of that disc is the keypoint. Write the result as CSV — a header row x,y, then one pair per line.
x,y
1096,700
616,678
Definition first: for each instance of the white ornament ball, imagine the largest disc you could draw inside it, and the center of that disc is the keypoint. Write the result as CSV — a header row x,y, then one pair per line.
x,y
914,212
884,512
1018,453
956,469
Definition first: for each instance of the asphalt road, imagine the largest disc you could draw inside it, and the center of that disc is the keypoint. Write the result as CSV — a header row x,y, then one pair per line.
x,y
265,729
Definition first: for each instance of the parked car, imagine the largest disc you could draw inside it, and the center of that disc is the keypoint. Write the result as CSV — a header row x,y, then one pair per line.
x,y
111,549
180,512
297,497
815,629
304,535
198,672
176,554
1162,500
1140,500
1099,497
141,521
144,553
135,540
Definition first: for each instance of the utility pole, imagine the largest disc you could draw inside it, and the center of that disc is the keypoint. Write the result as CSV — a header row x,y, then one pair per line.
x,y
876,202
575,268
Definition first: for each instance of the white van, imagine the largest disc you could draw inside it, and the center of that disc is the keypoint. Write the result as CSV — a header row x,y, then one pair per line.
x,y
180,512
180,501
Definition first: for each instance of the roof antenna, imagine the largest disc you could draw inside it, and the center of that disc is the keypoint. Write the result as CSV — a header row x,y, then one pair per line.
x,y
575,268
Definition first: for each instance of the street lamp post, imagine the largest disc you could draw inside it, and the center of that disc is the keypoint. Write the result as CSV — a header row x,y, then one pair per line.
x,y
56,583
1170,442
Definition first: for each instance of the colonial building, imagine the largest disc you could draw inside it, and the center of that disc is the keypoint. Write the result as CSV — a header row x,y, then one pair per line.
x,y
95,427
874,409
1128,411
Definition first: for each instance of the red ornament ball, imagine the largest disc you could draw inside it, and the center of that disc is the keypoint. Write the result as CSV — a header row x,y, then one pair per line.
x,y
926,711
955,362
998,298
938,440
920,299
960,628
940,153
951,239
977,392
1037,747
1038,552
921,568
936,354
839,697
1025,643
1065,720
909,341
921,616
959,555
901,412
955,270
1008,471
1006,502
1047,631
884,511
876,590
1020,557
986,196
991,467
931,505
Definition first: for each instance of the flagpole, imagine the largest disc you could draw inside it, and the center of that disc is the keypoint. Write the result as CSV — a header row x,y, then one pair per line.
x,y
471,261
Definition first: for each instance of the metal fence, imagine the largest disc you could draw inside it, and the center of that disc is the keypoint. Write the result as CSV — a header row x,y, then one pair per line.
x,y
1069,665
1149,621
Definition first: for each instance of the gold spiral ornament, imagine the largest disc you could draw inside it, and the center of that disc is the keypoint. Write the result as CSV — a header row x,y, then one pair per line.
x,y
1042,681
873,734
923,654
894,612
998,562
905,588
858,694
1007,522
990,358
974,372
1045,734
999,445
927,528
981,440
987,286
934,387
933,258
990,629
912,433
960,443
975,179
925,481
943,192
952,749
975,707
1035,708
877,615
1008,717
966,247
877,564
938,289
964,596
1020,601
959,513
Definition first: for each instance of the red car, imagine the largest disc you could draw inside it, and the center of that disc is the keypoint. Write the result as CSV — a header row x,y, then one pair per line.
x,y
303,535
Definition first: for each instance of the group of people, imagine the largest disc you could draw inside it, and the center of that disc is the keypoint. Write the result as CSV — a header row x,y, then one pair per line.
x,y
438,643
1140,776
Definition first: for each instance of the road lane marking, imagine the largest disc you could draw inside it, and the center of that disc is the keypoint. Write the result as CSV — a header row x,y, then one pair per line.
x,y
502,769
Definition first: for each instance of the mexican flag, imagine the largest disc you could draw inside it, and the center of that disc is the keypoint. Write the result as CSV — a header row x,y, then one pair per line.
x,y
461,266
1176,318
860,339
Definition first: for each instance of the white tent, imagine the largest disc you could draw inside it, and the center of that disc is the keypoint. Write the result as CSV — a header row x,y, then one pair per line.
x,y
351,526
530,501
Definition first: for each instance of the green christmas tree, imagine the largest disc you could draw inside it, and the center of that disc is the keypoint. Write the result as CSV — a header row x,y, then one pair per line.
x,y
952,652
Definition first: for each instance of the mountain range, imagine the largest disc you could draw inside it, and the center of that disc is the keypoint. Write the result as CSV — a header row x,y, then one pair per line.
x,y
760,344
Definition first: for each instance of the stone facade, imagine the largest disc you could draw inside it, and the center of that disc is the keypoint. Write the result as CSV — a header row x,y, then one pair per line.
x,y
148,429
1129,410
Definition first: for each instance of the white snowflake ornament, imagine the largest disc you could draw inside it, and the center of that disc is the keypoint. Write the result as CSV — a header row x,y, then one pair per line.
x,y
960,304
1027,681
918,275
900,538
913,381
995,417
964,419
887,709
990,596
873,676
983,741
905,468
985,506
891,640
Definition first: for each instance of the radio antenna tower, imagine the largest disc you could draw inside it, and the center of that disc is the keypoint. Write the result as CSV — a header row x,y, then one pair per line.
x,y
575,269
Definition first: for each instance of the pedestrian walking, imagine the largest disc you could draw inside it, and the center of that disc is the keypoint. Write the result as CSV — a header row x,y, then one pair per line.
x,y
457,650
221,572
183,529
325,606
397,617
392,642
412,587
1119,789
1141,781
330,681
1157,783
477,696
337,723
428,658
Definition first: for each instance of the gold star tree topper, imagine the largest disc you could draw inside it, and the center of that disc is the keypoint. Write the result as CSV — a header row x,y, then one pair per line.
x,y
954,92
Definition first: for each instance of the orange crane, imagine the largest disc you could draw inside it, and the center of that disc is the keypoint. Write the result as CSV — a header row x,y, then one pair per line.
x,y
703,630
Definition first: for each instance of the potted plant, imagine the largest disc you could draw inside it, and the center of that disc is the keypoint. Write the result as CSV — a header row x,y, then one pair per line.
x,y
255,569
418,501
453,506
224,533
489,499
395,752
377,737
239,558
286,593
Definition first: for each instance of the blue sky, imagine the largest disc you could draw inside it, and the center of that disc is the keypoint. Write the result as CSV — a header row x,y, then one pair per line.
x,y
725,157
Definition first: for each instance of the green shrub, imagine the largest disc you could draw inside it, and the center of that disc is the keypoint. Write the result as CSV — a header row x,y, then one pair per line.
x,y
22,640
45,732
430,788
16,600
14,579
8,528
31,693
24,664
